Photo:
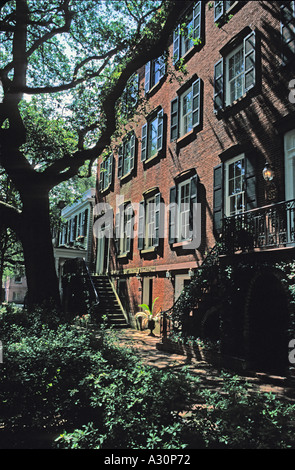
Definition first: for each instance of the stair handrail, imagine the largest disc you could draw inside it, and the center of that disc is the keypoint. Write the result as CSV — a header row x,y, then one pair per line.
x,y
215,250
89,277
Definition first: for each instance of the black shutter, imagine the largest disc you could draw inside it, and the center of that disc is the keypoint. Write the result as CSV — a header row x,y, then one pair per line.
x,y
147,77
129,227
218,198
173,215
250,182
132,151
218,86
193,200
157,203
197,102
250,61
160,130
288,30
174,119
120,161
218,10
118,230
176,44
141,225
144,142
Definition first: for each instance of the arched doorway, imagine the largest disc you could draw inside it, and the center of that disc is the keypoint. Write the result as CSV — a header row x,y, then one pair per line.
x,y
268,323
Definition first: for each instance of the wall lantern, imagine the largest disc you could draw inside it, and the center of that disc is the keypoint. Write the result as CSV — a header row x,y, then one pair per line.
x,y
168,275
267,172
190,273
138,276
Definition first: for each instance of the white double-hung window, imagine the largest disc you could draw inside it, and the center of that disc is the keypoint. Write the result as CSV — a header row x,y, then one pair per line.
x,y
235,186
183,232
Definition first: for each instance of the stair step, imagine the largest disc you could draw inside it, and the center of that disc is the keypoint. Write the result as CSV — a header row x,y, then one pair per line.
x,y
108,303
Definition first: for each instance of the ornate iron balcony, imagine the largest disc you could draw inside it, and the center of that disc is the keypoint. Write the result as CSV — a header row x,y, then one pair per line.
x,y
267,227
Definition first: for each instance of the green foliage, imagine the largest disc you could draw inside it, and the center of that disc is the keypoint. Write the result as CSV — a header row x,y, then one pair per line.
x,y
237,417
94,394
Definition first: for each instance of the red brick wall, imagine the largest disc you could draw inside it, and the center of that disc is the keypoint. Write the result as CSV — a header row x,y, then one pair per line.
x,y
250,121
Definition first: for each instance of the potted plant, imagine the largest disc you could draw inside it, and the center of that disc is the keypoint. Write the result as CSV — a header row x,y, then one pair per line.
x,y
148,317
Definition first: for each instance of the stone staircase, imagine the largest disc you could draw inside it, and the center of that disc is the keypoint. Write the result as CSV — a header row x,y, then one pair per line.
x,y
109,303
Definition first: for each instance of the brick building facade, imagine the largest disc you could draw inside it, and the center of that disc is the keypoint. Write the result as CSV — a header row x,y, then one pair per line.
x,y
217,109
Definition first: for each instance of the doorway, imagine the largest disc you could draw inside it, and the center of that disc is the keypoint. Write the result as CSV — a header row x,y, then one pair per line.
x,y
102,253
268,323
147,291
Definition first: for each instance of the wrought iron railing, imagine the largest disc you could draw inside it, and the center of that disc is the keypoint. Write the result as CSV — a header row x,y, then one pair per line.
x,y
267,227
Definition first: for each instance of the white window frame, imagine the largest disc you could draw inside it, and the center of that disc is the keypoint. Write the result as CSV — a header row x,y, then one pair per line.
x,y
228,196
150,219
183,223
184,118
228,99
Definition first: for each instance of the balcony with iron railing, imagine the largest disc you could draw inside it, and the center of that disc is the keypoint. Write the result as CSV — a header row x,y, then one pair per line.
x,y
265,228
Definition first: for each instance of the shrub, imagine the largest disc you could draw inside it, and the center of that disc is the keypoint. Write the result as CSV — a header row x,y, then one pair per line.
x,y
239,418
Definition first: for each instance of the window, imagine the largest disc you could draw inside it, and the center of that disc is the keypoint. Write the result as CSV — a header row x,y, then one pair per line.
x,y
235,74
183,211
186,111
106,173
124,229
126,156
188,34
75,229
182,198
288,30
154,71
235,186
130,95
222,8
152,136
149,222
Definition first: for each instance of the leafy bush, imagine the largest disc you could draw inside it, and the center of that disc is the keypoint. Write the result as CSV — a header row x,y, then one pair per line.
x,y
95,394
239,418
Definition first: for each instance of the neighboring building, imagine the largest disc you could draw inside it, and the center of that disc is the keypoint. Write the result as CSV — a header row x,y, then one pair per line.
x,y
75,238
207,141
15,289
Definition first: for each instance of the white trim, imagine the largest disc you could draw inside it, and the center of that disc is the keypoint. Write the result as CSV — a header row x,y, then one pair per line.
x,y
226,168
289,150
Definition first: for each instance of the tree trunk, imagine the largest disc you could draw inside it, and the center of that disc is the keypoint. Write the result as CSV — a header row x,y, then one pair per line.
x,y
38,252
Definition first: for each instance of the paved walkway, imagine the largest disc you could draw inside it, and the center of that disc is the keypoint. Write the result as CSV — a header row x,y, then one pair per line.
x,y
144,346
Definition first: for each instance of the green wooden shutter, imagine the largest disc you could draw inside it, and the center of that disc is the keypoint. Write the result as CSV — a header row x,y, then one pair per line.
x,y
144,142
197,21
249,61
218,86
196,87
218,198
288,30
118,230
157,203
218,10
176,44
250,183
132,151
174,119
147,77
173,215
110,169
101,176
160,130
129,227
193,200
141,225
120,161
